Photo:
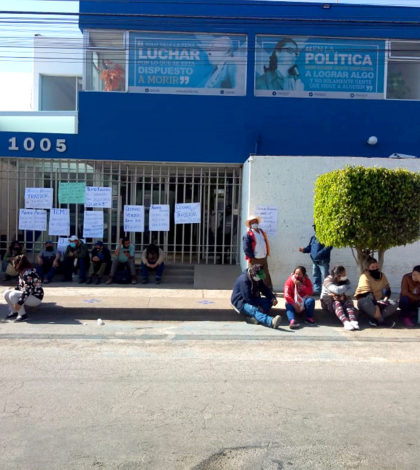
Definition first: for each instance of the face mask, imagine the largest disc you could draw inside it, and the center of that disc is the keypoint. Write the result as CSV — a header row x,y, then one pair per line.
x,y
254,226
298,278
49,248
375,273
344,278
72,245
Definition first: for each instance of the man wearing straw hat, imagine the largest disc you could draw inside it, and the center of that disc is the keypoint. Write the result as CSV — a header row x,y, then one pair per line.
x,y
256,247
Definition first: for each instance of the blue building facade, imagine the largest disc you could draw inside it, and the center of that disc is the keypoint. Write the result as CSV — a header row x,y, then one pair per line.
x,y
340,104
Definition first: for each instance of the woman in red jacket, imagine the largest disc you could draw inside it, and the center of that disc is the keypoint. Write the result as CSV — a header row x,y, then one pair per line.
x,y
297,294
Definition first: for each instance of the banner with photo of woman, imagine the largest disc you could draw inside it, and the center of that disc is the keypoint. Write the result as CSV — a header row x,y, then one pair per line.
x,y
319,67
186,63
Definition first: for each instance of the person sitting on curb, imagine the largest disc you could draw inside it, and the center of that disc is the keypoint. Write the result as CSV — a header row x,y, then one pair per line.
x,y
15,249
247,300
152,260
334,298
100,262
256,246
28,291
410,296
373,295
320,256
48,262
124,256
297,294
76,254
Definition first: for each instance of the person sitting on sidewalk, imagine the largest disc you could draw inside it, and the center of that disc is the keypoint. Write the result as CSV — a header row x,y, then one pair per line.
x,y
373,296
334,298
410,296
48,262
124,257
246,298
76,255
100,262
152,260
297,294
28,291
15,249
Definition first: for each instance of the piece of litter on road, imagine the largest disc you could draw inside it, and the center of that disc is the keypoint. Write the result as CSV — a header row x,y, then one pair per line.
x,y
205,302
91,301
100,322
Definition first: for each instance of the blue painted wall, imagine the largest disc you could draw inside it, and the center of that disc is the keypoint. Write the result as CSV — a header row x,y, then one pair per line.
x,y
130,126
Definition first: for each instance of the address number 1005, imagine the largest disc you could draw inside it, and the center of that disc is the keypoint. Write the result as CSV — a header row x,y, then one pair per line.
x,y
45,144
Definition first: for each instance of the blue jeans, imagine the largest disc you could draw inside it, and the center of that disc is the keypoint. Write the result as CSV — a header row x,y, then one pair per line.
x,y
309,304
408,308
47,271
320,270
68,268
252,311
145,271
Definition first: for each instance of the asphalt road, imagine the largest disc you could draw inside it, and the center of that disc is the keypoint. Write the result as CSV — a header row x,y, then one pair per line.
x,y
207,396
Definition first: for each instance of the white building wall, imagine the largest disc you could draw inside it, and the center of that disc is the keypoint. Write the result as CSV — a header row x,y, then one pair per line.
x,y
288,184
58,57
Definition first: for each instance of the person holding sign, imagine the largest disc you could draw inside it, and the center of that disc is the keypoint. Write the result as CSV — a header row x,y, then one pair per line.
x,y
28,291
76,255
48,262
246,297
100,262
256,247
152,260
124,257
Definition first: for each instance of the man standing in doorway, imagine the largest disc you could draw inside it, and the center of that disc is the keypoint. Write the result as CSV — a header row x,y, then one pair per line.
x,y
320,255
256,247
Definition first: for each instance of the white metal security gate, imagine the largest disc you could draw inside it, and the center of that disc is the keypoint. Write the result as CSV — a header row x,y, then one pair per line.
x,y
217,188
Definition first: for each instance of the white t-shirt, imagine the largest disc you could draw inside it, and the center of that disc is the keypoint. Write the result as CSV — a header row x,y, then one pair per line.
x,y
260,250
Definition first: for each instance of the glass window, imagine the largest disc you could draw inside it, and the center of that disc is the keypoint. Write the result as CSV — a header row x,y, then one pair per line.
x,y
106,61
403,78
58,93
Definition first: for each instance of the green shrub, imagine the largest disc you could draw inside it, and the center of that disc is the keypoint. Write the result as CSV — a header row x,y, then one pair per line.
x,y
367,209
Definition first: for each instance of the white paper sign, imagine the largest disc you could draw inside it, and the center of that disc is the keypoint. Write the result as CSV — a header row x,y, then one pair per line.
x,y
188,213
133,218
62,244
59,222
38,198
93,224
268,216
159,218
32,219
97,196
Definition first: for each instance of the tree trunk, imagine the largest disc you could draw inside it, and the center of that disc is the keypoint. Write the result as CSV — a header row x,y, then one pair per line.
x,y
361,260
381,254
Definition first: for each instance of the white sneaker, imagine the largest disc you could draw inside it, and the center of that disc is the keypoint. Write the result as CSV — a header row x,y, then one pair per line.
x,y
348,326
275,322
355,325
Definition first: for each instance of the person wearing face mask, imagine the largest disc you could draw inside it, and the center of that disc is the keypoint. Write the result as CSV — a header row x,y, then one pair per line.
x,y
373,295
297,294
256,246
335,299
246,297
48,261
15,249
410,296
76,254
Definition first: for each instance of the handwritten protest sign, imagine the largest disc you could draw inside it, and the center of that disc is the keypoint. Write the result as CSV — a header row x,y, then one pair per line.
x,y
32,219
133,218
159,218
38,198
59,222
188,213
93,224
62,244
71,193
268,216
97,196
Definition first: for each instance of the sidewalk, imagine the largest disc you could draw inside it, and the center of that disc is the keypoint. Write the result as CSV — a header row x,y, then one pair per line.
x,y
196,313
